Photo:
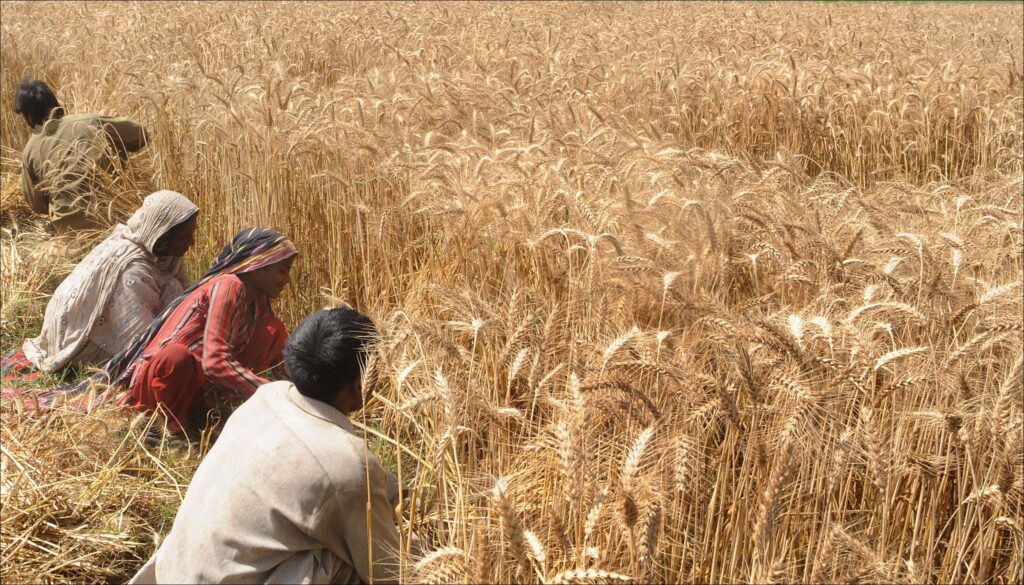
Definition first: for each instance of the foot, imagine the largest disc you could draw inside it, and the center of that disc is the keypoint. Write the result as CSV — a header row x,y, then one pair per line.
x,y
156,436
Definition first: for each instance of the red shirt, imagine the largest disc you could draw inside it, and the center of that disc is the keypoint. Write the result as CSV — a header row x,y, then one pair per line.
x,y
215,322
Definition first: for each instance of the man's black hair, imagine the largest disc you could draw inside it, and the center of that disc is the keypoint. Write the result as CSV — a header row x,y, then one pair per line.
x,y
35,100
326,352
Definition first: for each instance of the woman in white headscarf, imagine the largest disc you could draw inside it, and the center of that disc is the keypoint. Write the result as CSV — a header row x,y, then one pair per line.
x,y
119,288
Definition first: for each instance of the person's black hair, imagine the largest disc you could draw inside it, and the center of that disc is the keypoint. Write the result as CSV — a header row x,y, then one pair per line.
x,y
327,351
35,100
161,243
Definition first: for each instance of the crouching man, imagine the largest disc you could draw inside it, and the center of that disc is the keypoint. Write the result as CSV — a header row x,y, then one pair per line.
x,y
282,495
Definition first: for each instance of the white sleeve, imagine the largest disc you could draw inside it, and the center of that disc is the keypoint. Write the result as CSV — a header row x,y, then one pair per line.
x,y
346,524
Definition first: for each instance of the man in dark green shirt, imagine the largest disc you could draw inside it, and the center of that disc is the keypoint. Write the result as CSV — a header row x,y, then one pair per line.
x,y
66,154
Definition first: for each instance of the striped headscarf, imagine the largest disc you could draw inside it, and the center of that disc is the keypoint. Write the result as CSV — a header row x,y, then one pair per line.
x,y
250,249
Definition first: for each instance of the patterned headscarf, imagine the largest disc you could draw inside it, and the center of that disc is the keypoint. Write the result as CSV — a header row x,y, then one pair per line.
x,y
250,249
160,212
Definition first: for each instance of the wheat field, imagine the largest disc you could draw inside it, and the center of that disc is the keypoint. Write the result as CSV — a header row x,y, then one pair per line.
x,y
667,293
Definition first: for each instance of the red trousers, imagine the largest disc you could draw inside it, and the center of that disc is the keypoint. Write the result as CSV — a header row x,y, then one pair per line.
x,y
173,380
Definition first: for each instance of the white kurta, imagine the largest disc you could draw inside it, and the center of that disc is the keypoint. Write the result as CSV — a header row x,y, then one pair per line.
x,y
282,498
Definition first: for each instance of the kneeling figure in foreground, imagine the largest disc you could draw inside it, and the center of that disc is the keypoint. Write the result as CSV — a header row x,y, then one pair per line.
x,y
282,495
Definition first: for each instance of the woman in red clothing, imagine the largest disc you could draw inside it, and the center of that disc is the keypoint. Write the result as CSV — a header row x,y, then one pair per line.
x,y
211,344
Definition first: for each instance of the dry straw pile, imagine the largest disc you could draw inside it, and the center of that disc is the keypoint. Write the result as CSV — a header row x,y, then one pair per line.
x,y
673,293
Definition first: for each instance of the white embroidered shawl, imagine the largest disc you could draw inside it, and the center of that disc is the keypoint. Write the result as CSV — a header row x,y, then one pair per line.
x,y
83,301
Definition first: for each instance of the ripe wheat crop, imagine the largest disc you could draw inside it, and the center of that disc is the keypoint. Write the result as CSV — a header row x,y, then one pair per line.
x,y
667,293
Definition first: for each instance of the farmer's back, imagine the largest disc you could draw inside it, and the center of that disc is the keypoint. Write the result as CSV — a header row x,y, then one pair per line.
x,y
63,159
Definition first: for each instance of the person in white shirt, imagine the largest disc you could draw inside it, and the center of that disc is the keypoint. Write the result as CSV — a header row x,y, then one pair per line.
x,y
283,494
